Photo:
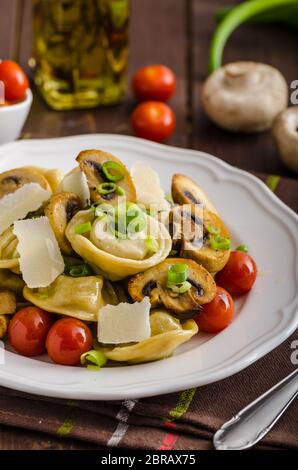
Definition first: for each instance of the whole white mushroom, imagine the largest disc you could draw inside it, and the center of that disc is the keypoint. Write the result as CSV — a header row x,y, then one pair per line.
x,y
245,96
285,135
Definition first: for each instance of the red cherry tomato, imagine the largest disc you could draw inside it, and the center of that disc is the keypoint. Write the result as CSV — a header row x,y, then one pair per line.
x,y
153,120
14,79
239,274
28,329
218,314
154,82
67,340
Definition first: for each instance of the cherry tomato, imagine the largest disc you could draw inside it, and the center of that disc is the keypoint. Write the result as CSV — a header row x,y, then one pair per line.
x,y
239,274
218,314
154,82
14,79
153,120
67,340
28,329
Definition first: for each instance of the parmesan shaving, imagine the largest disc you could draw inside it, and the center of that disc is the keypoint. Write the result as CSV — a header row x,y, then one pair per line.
x,y
124,323
18,204
40,257
148,188
76,182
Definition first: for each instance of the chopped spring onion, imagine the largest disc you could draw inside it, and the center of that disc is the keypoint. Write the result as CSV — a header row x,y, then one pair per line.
x,y
213,230
80,270
220,243
111,165
169,198
104,209
106,188
120,191
243,248
136,225
179,288
272,182
151,244
93,359
94,206
83,228
177,273
42,296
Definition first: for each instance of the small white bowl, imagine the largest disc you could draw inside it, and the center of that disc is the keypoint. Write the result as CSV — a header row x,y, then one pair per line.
x,y
13,117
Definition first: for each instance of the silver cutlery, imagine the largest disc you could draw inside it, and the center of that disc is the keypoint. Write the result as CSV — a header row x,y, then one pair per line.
x,y
251,424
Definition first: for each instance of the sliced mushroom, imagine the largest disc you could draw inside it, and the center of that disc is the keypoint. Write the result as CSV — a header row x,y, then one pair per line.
x,y
285,135
91,162
186,191
245,96
153,283
60,210
12,180
192,237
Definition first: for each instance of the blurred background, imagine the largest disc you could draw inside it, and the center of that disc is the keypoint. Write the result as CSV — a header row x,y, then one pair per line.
x,y
176,33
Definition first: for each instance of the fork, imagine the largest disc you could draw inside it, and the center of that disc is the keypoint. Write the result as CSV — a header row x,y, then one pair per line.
x,y
251,424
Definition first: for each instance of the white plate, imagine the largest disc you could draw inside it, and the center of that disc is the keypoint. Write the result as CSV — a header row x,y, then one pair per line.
x,y
265,317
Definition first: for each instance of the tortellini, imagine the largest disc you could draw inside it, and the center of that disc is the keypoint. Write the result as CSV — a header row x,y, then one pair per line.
x,y
8,251
167,333
78,297
118,263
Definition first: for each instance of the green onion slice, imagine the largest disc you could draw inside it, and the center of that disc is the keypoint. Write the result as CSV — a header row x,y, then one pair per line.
x,y
83,228
243,248
169,198
220,243
79,271
118,171
213,230
179,288
272,182
177,273
136,225
151,244
120,191
93,359
106,188
42,296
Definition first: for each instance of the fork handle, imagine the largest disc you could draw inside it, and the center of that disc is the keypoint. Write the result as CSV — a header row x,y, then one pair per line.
x,y
252,423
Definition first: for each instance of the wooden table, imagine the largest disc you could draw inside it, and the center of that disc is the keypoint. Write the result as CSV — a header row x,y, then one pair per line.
x,y
176,33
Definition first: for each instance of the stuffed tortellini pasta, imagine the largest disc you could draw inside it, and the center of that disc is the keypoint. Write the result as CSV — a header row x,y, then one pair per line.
x,y
80,297
167,333
113,255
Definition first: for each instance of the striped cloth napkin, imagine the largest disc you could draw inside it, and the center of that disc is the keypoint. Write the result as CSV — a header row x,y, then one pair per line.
x,y
185,420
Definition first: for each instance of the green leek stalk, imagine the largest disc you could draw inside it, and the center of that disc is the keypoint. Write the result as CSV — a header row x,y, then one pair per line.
x,y
238,15
287,15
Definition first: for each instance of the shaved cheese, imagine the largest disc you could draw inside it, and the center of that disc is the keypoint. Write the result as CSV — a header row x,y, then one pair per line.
x,y
76,182
124,323
18,204
147,183
40,257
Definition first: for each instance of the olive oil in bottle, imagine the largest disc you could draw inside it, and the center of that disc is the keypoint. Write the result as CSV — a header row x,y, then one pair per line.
x,y
80,51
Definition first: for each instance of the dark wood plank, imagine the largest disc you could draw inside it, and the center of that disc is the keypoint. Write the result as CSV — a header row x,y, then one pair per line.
x,y
154,24
7,30
274,45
